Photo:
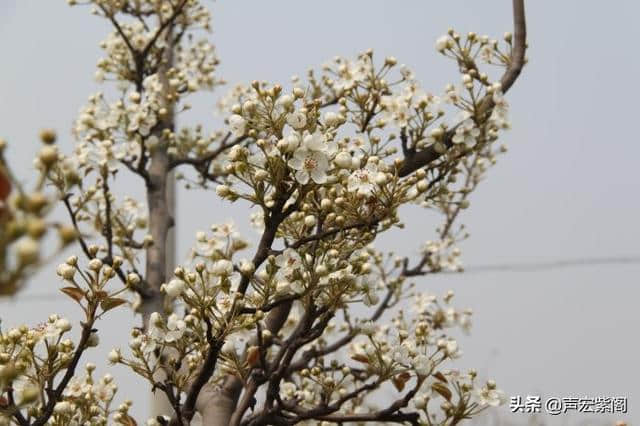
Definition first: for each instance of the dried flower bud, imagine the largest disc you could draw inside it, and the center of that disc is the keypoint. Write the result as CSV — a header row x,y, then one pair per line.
x,y
48,136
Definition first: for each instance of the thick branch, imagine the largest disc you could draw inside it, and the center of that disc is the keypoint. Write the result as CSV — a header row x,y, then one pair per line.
x,y
160,220
519,46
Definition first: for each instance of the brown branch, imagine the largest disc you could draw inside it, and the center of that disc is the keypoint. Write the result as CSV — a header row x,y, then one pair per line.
x,y
56,394
118,28
330,232
207,370
218,408
163,27
370,114
271,305
108,225
343,341
519,46
245,403
273,220
139,169
207,159
451,217
22,421
389,414
74,222
324,410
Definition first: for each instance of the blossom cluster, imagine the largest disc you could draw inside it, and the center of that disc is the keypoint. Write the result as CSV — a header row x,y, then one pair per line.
x,y
326,164
24,222
38,364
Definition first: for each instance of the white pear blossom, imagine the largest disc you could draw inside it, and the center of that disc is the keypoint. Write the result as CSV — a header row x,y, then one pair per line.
x,y
363,180
396,109
238,125
466,133
175,328
222,267
289,261
297,120
489,397
423,365
309,165
343,160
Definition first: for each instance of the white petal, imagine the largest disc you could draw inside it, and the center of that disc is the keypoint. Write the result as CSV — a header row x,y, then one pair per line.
x,y
302,176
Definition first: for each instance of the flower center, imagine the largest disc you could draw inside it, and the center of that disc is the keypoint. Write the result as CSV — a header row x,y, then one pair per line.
x,y
363,176
310,163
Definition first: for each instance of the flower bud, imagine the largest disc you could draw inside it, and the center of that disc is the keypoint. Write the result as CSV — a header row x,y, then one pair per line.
x,y
28,251
222,267
95,264
67,234
133,279
381,178
247,267
223,190
343,160
309,221
93,341
66,271
48,155
261,175
48,136
63,407
114,356
174,288
325,204
63,325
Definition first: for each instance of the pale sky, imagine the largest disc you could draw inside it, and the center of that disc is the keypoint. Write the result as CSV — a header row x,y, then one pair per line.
x,y
567,189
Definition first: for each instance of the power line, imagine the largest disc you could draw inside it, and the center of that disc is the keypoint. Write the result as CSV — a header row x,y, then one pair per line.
x,y
554,264
474,269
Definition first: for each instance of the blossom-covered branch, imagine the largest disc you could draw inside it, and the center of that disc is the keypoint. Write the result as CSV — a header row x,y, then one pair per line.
x,y
268,335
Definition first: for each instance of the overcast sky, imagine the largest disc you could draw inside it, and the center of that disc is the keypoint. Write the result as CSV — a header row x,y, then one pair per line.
x,y
567,189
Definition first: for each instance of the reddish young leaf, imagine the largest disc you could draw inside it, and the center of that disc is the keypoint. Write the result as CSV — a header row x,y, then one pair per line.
x,y
74,293
111,302
438,375
253,356
442,390
360,358
400,380
5,185
127,420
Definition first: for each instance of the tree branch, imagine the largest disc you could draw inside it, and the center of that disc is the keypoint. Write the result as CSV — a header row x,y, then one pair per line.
x,y
207,159
419,159
56,394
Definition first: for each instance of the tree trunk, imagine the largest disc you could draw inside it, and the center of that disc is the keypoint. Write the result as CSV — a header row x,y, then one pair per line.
x,y
160,260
